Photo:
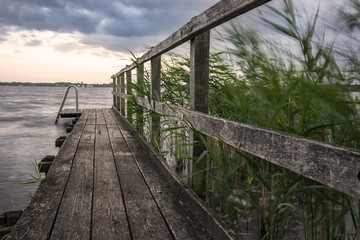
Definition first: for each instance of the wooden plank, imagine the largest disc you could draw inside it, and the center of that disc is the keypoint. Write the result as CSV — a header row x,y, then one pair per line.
x,y
38,218
144,217
183,196
199,101
182,223
109,215
108,117
216,15
92,117
100,119
74,218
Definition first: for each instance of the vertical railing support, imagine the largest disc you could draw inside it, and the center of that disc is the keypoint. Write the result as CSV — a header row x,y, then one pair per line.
x,y
199,101
155,96
118,92
114,90
140,110
129,92
122,90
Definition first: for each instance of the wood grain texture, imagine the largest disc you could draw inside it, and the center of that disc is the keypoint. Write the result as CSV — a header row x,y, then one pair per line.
x,y
164,192
74,218
109,216
100,119
181,195
334,166
144,217
38,218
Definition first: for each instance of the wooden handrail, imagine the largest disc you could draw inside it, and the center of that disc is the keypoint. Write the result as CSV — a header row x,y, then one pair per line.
x,y
221,12
334,166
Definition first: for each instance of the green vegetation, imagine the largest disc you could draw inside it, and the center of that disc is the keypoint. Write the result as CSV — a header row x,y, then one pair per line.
x,y
37,177
303,89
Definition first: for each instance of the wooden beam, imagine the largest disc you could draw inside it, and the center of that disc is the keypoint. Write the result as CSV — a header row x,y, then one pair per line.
x,y
216,15
199,101
155,96
334,166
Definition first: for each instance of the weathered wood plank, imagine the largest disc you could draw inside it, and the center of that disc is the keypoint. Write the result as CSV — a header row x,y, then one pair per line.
x,y
91,119
100,119
216,15
109,215
108,117
183,196
334,166
74,218
165,194
44,205
144,217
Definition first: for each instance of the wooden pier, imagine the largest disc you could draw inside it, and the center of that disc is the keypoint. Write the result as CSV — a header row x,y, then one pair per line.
x,y
104,184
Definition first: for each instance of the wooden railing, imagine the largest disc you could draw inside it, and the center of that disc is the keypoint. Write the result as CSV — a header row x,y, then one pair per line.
x,y
334,166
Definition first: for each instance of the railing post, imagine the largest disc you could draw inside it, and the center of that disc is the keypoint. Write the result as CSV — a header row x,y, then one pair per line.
x,y
155,96
140,110
118,91
199,101
122,90
129,92
114,90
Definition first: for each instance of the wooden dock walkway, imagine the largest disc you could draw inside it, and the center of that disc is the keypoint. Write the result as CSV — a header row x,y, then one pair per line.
x,y
103,184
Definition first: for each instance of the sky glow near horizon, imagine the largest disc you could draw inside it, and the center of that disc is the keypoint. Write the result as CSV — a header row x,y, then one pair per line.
x,y
88,41
83,41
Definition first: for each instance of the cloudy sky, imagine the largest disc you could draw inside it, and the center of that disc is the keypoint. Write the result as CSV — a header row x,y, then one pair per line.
x,y
89,40
83,40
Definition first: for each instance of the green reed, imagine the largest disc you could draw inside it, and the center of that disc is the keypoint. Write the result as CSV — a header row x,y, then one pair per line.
x,y
305,91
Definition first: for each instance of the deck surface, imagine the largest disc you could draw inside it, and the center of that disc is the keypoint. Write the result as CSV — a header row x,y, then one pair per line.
x,y
102,185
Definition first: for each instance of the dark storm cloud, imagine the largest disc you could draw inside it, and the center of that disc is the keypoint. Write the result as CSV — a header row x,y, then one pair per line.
x,y
119,18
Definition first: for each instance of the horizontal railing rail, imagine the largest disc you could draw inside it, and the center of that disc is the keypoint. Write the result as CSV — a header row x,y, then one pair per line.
x,y
221,12
334,166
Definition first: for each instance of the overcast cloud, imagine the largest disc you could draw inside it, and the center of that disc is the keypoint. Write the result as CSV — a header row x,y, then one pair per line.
x,y
109,24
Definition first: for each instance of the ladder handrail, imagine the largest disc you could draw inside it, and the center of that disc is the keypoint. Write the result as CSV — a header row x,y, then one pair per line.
x,y
64,98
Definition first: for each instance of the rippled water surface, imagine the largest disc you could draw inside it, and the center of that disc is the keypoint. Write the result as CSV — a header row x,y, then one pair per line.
x,y
27,132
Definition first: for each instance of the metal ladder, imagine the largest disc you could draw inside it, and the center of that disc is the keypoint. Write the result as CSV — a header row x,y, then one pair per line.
x,y
63,101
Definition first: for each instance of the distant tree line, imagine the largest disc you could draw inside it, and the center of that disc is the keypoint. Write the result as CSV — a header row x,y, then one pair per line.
x,y
57,84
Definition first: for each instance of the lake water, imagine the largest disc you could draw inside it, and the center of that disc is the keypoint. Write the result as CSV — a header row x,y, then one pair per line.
x,y
27,132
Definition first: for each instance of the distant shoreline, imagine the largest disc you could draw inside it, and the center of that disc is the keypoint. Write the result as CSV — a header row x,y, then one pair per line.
x,y
57,84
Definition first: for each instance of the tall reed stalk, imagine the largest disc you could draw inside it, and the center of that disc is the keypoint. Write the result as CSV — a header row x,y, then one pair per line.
x,y
303,90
